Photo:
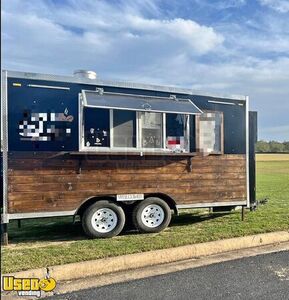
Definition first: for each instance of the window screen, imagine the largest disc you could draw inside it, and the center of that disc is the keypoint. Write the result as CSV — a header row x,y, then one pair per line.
x,y
151,130
176,132
96,127
124,128
210,132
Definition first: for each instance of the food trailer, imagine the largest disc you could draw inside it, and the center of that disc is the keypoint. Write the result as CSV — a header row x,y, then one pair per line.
x,y
112,152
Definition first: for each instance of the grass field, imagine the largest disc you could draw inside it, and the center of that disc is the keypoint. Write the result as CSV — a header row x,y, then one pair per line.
x,y
272,157
57,241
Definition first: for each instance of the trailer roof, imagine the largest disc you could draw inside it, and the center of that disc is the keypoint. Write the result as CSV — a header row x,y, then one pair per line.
x,y
121,84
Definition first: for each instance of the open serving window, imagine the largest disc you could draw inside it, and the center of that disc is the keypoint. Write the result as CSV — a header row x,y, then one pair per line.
x,y
127,122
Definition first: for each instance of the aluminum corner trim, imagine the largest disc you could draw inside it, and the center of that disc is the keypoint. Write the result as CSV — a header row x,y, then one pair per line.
x,y
4,142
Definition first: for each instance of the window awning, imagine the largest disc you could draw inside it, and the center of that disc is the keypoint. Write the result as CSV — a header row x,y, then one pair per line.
x,y
139,103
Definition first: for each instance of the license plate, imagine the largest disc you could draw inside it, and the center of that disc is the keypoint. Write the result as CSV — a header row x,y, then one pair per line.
x,y
128,197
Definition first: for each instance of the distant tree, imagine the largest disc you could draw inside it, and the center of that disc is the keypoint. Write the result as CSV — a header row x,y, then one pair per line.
x,y
286,146
272,146
262,146
276,146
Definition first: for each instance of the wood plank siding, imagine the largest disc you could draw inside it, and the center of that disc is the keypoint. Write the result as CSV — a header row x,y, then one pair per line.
x,y
44,182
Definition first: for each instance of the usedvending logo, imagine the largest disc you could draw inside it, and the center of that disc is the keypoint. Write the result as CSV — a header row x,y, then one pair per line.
x,y
45,126
28,286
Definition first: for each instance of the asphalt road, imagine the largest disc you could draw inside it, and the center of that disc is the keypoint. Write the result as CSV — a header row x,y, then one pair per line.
x,y
260,277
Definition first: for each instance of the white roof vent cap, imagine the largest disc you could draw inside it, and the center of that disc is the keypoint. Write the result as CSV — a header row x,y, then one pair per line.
x,y
85,74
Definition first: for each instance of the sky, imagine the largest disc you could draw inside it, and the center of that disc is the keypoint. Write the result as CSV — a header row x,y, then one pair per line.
x,y
228,47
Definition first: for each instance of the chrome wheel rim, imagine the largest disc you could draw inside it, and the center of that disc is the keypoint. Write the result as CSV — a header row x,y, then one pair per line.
x,y
152,215
104,220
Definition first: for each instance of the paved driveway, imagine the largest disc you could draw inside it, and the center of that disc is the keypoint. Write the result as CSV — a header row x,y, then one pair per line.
x,y
260,277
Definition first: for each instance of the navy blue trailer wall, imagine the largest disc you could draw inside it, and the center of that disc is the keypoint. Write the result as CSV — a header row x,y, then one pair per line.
x,y
30,97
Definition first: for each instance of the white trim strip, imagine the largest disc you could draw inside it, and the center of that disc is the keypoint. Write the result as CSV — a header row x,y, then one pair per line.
x,y
136,95
131,149
143,110
221,102
49,87
80,122
111,130
212,204
195,106
4,143
164,131
41,214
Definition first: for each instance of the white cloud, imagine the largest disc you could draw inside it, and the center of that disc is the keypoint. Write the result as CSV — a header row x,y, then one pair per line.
x,y
200,39
38,33
281,6
133,40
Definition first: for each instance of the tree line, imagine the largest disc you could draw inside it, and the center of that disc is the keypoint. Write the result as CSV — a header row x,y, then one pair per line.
x,y
272,146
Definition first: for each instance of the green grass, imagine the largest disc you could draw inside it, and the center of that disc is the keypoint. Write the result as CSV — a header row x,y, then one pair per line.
x,y
40,243
272,156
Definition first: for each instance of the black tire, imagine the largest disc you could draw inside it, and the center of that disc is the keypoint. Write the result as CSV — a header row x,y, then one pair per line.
x,y
106,211
147,226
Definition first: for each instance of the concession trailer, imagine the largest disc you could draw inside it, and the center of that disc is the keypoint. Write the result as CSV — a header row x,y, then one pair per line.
x,y
115,152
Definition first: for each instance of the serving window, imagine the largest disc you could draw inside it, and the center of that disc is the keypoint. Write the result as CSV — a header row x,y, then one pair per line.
x,y
124,128
132,122
151,128
96,127
177,132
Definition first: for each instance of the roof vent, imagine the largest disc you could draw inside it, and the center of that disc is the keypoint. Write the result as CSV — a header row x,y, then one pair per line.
x,y
85,74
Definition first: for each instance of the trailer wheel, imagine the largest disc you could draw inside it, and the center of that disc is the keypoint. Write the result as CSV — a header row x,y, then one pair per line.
x,y
151,215
103,219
